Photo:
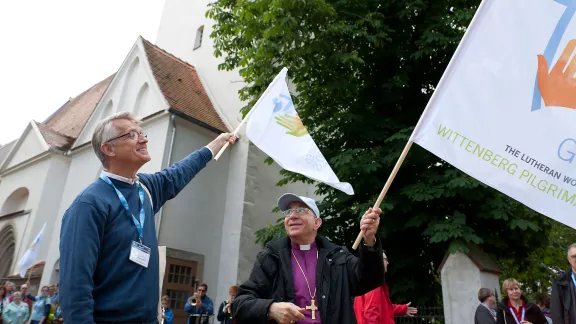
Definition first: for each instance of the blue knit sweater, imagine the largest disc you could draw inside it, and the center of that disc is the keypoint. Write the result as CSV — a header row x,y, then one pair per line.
x,y
98,282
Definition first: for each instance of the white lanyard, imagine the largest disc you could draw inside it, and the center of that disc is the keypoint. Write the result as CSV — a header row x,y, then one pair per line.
x,y
490,309
514,314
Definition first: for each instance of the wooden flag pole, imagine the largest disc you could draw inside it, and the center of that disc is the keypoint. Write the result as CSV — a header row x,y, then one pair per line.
x,y
29,275
386,187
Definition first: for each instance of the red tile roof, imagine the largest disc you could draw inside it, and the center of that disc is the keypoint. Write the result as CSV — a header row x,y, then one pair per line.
x,y
182,87
36,270
71,118
55,139
178,81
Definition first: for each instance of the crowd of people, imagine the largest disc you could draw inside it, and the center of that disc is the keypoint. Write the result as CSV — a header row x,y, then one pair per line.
x,y
20,307
301,277
200,307
559,308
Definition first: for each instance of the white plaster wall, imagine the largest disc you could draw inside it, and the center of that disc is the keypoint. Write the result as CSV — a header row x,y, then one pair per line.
x,y
29,148
492,282
33,177
85,168
157,129
51,195
177,35
460,284
251,191
193,221
233,218
133,89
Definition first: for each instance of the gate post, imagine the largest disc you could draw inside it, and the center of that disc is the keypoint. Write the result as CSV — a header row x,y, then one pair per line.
x,y
463,274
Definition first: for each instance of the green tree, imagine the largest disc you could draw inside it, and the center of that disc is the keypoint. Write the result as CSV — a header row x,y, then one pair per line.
x,y
545,262
364,71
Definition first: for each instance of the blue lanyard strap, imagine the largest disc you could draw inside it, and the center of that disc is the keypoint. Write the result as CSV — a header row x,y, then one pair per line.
x,y
139,225
514,314
573,279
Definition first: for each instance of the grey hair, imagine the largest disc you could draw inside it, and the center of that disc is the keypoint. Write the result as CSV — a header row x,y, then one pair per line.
x,y
571,246
17,294
105,131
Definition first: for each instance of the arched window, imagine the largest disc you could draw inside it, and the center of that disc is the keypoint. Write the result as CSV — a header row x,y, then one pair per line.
x,y
55,278
16,202
141,99
7,249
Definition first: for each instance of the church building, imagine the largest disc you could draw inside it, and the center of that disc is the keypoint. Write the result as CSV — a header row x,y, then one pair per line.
x,y
184,101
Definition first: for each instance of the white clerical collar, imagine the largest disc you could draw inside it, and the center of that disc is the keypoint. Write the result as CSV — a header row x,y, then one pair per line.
x,y
120,178
305,247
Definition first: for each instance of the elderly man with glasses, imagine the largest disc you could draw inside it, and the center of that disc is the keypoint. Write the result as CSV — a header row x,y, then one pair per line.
x,y
306,278
109,267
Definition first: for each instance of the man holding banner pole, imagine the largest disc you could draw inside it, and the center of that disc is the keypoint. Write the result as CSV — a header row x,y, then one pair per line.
x,y
109,259
304,277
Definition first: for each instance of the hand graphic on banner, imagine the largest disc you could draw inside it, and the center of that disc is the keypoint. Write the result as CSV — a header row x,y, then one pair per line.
x,y
558,88
293,124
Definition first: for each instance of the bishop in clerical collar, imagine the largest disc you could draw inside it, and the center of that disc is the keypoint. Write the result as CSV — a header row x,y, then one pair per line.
x,y
304,278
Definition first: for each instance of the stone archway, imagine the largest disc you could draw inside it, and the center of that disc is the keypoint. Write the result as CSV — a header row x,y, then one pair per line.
x,y
7,250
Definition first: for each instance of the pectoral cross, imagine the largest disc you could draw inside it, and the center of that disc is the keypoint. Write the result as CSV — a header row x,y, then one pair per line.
x,y
313,308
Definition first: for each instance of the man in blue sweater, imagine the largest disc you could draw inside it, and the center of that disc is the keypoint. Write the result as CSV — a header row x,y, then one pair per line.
x,y
108,247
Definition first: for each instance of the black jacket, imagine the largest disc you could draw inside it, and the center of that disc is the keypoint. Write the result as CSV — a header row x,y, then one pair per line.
x,y
562,300
339,276
483,316
533,313
222,316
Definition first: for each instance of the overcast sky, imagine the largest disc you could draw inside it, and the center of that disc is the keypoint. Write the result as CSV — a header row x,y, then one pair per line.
x,y
54,50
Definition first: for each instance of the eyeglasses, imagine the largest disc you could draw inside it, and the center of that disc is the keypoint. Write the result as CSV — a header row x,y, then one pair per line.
x,y
299,211
130,135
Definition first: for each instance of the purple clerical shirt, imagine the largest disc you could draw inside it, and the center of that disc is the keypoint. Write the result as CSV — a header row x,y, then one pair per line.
x,y
302,298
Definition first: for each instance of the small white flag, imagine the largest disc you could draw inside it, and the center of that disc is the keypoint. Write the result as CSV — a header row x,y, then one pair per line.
x,y
274,126
30,256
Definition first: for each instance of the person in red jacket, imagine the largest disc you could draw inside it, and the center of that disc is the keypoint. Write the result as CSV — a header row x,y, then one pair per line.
x,y
376,307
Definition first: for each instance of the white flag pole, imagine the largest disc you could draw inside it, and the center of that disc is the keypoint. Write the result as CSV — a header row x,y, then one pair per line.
x,y
248,115
235,134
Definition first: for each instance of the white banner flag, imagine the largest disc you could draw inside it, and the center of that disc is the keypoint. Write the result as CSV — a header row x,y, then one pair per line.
x,y
274,126
30,256
505,109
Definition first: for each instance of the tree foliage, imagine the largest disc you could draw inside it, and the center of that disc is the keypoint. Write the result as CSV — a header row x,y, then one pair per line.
x,y
364,71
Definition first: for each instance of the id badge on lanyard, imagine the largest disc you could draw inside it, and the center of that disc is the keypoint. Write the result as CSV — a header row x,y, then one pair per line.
x,y
139,253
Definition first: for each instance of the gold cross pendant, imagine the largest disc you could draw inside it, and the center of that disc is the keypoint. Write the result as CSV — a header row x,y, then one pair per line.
x,y
313,308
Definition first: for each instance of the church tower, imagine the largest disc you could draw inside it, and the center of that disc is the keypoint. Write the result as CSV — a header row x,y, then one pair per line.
x,y
252,192
185,32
